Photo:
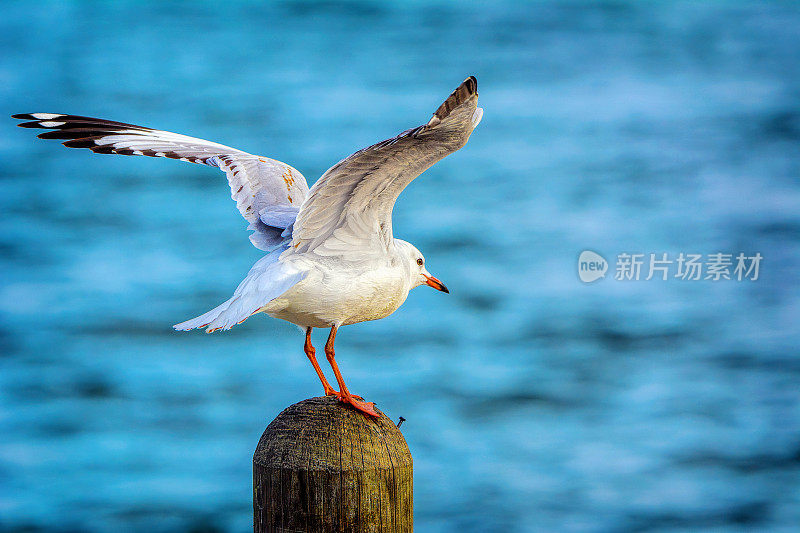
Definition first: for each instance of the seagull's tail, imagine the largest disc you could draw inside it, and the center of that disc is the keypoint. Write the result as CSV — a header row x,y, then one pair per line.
x,y
267,280
205,319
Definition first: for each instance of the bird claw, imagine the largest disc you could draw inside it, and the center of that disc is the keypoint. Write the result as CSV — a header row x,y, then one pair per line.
x,y
339,395
368,408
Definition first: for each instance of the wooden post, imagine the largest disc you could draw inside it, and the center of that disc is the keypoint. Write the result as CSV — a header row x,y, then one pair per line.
x,y
321,466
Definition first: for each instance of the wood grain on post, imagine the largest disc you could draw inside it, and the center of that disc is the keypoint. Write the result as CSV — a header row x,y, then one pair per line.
x,y
321,466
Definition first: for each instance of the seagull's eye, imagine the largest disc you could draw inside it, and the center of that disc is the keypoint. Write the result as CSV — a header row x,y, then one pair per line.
x,y
420,261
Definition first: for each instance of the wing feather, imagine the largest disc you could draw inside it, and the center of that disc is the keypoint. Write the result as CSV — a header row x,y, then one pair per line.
x,y
348,210
267,192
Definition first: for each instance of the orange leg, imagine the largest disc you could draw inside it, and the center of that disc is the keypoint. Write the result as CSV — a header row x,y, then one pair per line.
x,y
312,356
367,408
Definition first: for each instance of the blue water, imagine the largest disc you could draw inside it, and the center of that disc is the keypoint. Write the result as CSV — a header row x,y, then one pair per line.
x,y
534,402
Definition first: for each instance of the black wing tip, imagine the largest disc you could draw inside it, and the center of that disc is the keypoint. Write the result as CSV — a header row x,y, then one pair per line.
x,y
25,116
471,84
38,116
465,91
64,121
80,143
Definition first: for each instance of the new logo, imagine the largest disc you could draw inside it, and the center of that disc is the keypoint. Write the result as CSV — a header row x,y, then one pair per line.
x,y
591,266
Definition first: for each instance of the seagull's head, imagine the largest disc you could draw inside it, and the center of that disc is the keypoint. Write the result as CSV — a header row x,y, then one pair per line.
x,y
415,263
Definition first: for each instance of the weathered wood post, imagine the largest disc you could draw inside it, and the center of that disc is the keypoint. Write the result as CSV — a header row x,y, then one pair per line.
x,y
323,467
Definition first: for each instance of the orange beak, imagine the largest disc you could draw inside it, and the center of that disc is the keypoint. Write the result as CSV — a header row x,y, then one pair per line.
x,y
436,284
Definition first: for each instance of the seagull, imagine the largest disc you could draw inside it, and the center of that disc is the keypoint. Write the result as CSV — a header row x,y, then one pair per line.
x,y
332,259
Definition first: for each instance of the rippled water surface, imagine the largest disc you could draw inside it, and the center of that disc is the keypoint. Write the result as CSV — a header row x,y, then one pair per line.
x,y
533,402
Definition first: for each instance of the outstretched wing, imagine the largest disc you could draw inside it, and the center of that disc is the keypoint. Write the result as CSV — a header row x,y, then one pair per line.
x,y
348,212
268,193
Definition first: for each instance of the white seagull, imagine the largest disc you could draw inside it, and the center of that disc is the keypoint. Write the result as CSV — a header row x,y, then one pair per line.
x,y
332,259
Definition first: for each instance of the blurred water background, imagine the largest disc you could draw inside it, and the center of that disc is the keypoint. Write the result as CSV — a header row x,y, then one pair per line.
x,y
534,402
